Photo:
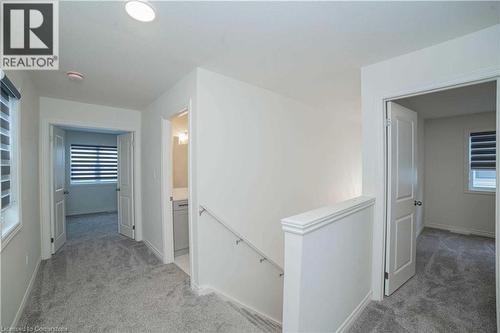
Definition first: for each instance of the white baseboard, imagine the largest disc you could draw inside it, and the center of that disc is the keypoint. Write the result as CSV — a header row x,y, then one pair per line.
x,y
90,213
26,295
355,313
205,290
153,249
461,230
419,231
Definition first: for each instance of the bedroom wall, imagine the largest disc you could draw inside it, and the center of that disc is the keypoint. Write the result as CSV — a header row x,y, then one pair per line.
x,y
88,198
448,202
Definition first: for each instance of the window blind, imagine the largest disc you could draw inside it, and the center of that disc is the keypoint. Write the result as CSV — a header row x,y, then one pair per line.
x,y
6,147
483,150
93,163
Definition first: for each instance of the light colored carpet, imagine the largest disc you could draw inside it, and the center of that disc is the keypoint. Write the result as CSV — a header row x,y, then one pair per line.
x,y
101,281
453,289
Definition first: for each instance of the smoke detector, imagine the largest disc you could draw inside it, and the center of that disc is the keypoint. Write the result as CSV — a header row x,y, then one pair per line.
x,y
75,76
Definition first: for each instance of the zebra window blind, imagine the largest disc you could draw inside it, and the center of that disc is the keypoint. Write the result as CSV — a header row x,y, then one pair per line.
x,y
90,163
6,148
482,150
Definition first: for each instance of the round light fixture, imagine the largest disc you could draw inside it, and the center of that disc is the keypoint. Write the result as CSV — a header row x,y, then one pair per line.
x,y
140,10
77,76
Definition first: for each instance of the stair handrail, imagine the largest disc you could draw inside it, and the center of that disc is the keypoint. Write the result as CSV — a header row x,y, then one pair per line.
x,y
241,238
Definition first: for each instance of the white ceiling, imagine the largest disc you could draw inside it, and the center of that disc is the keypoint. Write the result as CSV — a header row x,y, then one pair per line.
x,y
454,102
309,51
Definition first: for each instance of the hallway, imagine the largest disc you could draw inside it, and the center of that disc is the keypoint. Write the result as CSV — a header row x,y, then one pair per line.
x,y
453,289
101,281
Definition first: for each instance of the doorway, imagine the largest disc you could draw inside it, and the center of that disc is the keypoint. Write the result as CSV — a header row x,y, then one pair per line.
x,y
441,183
92,184
180,182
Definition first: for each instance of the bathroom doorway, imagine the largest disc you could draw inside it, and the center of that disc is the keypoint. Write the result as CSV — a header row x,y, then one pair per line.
x,y
179,196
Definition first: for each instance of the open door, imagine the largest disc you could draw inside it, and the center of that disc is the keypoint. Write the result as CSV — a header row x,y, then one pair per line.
x,y
125,189
401,196
59,192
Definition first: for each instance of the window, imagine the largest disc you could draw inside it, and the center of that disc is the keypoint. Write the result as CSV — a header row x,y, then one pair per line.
x,y
6,149
482,161
93,164
10,217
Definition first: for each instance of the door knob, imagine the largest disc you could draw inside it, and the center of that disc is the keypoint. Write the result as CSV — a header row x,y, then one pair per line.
x,y
65,192
118,189
417,203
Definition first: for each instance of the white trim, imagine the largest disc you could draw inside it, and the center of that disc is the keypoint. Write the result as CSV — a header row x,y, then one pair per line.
x,y
380,213
419,231
461,230
315,219
14,211
166,191
90,213
45,172
20,310
153,249
355,313
206,290
9,235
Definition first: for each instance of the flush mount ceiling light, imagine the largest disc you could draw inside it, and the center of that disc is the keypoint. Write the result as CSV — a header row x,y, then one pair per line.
x,y
76,76
140,10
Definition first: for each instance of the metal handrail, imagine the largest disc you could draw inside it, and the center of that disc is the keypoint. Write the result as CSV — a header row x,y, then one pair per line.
x,y
240,239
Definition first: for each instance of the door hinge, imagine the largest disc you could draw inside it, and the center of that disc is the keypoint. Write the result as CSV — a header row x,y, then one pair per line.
x,y
133,227
52,240
171,198
386,275
387,122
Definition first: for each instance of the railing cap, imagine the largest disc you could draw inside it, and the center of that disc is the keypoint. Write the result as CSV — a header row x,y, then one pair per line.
x,y
314,219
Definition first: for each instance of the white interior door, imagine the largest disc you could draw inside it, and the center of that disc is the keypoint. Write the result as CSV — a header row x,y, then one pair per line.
x,y
125,185
401,208
58,195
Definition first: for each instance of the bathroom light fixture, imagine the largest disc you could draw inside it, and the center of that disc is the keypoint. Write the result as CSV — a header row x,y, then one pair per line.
x,y
140,10
76,76
183,138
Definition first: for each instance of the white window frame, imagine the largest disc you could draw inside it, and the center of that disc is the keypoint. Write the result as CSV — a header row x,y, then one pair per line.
x,y
11,220
468,188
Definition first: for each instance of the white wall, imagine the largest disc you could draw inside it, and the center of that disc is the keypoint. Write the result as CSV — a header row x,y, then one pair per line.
x,y
20,256
471,57
88,198
177,99
75,114
261,157
448,203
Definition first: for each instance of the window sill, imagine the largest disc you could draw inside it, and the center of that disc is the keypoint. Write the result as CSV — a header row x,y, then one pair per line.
x,y
482,192
92,183
10,224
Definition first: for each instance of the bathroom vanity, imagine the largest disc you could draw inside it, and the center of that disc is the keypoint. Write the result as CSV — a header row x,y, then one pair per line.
x,y
181,221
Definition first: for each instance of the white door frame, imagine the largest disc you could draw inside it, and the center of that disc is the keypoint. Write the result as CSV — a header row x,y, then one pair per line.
x,y
46,180
378,293
166,180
